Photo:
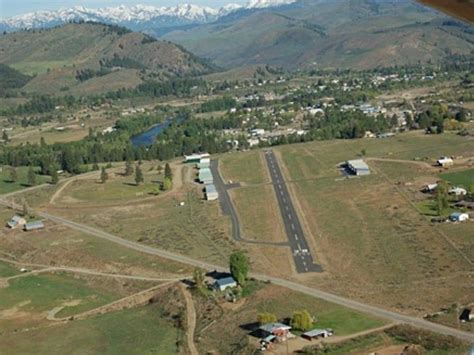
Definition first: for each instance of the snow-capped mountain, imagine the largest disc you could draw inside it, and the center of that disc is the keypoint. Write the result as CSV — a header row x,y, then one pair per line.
x,y
138,17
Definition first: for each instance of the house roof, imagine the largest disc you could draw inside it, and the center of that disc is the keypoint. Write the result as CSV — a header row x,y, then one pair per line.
x,y
34,224
271,327
226,281
210,188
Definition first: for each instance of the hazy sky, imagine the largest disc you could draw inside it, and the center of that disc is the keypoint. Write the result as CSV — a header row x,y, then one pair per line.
x,y
14,7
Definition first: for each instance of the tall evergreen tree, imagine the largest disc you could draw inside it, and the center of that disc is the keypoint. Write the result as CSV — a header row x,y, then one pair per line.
x,y
128,168
54,175
103,175
168,172
31,177
13,174
138,175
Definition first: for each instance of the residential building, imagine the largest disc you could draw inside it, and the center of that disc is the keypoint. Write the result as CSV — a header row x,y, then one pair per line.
x,y
225,283
16,221
457,191
195,158
317,333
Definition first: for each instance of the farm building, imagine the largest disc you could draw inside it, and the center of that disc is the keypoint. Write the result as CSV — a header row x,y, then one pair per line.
x,y
459,217
279,330
205,176
33,226
225,283
195,158
16,221
211,192
317,333
458,191
358,167
445,162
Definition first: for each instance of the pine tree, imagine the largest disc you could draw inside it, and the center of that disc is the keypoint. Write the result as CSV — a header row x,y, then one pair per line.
x,y
103,175
5,137
138,175
168,173
167,184
13,174
128,168
54,176
31,176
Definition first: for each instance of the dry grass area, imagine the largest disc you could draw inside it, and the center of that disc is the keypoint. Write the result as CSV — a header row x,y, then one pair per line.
x,y
246,168
259,214
393,256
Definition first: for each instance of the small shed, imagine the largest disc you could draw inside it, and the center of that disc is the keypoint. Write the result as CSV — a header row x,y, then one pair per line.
x,y
317,333
33,226
225,283
459,217
16,221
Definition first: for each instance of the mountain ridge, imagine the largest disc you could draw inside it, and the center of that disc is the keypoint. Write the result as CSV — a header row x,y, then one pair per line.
x,y
137,17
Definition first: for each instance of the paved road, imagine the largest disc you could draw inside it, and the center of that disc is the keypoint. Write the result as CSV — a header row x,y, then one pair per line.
x,y
302,257
228,209
375,311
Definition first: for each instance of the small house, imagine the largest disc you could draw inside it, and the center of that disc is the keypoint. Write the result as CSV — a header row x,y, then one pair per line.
x,y
15,222
445,162
458,217
317,333
225,283
33,226
195,158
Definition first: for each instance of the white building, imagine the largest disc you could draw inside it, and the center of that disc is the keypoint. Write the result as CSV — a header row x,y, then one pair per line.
x,y
445,162
211,192
358,167
459,217
458,191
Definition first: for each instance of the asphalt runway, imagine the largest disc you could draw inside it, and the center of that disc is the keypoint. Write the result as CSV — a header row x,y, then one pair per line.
x,y
302,257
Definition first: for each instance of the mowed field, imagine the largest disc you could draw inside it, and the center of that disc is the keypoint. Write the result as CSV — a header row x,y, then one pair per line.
x,y
373,224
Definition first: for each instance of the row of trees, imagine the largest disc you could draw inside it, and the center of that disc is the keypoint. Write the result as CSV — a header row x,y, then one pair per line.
x,y
301,320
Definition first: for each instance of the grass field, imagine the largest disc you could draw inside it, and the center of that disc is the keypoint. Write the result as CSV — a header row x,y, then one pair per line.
x,y
461,178
247,168
259,214
374,223
6,270
320,159
134,331
39,67
7,186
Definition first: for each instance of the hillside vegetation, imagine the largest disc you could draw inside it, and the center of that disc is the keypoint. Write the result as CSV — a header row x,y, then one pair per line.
x,y
358,34
91,58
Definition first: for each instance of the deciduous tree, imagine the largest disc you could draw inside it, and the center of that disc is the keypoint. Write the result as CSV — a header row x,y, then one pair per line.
x,y
239,267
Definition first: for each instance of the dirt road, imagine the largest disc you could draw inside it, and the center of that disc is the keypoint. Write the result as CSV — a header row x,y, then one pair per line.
x,y
191,320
